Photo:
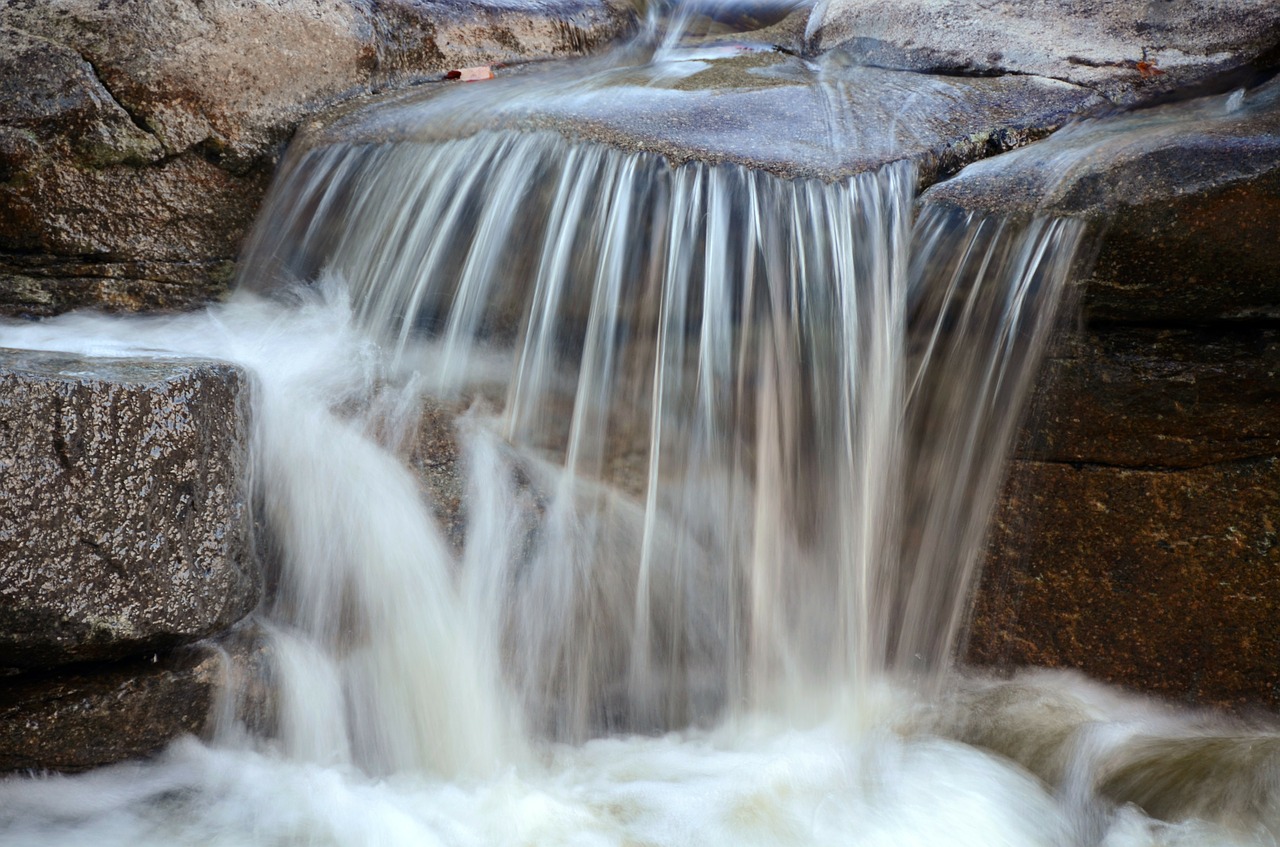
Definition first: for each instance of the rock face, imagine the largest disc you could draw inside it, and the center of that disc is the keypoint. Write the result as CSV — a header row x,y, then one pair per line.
x,y
1124,50
89,717
1138,538
137,138
125,522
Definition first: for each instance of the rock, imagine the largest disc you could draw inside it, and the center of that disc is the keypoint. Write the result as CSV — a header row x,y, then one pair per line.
x,y
146,132
86,717
1126,51
765,110
1139,536
125,525
1173,766
1161,580
1159,397
1190,197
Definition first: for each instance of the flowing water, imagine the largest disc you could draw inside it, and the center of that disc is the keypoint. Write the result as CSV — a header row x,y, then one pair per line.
x,y
728,444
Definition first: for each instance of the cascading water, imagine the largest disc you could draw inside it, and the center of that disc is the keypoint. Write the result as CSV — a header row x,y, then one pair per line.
x,y
757,362
730,445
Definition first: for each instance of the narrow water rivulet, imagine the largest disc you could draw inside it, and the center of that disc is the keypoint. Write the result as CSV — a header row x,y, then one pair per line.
x,y
728,444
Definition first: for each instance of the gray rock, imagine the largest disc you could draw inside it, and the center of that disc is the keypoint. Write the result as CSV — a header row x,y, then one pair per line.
x,y
765,110
146,132
1187,196
87,717
125,522
1128,51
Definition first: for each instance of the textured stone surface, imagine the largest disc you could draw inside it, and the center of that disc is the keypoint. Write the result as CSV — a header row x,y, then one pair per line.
x,y
1152,397
1187,197
139,136
1163,580
124,522
1099,43
85,717
765,110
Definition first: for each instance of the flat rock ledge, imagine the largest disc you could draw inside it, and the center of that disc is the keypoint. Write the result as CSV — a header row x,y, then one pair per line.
x,y
762,109
125,523
1185,197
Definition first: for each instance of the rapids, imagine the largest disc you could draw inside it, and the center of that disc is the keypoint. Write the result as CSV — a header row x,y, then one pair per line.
x,y
730,443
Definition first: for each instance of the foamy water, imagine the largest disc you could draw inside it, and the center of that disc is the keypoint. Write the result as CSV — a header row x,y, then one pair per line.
x,y
881,768
729,444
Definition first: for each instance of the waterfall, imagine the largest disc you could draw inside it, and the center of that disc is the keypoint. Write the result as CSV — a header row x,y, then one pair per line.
x,y
763,420
724,447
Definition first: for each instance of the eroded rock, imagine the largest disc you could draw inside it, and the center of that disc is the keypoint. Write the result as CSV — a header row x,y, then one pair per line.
x,y
146,132
125,522
1127,51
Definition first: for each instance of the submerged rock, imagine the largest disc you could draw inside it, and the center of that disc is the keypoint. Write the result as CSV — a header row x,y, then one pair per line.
x,y
89,716
125,523
1124,50
137,139
1086,741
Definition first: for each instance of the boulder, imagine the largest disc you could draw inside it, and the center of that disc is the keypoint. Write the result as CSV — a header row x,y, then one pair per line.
x,y
1186,197
86,717
1126,51
137,138
125,523
1139,537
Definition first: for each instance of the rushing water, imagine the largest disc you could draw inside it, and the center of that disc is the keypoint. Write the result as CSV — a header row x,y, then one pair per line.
x,y
729,445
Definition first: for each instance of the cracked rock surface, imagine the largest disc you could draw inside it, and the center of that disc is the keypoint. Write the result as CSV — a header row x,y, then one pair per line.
x,y
1126,51
137,138
124,514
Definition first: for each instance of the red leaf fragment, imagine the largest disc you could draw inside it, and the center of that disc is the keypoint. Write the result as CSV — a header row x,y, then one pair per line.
x,y
480,72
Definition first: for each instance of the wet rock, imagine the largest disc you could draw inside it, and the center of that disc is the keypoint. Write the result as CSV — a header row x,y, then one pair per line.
x,y
87,716
1159,397
1158,579
1075,734
765,110
432,453
125,524
1126,51
1187,197
146,132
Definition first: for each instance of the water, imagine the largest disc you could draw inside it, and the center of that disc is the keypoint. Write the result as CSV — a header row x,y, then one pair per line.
x,y
729,444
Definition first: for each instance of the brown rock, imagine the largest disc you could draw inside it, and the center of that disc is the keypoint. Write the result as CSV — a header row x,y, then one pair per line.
x,y
1163,580
124,523
86,717
1152,397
